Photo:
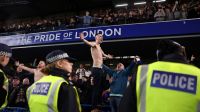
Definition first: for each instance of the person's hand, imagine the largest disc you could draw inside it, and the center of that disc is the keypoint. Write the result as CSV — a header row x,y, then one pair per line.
x,y
17,63
136,59
192,58
20,65
81,36
176,2
110,56
105,92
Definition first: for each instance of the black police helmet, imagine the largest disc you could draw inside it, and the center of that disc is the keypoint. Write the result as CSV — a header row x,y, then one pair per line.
x,y
166,47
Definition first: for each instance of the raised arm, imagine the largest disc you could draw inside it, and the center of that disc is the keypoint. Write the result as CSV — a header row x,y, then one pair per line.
x,y
163,12
91,44
108,70
175,6
31,70
135,61
107,55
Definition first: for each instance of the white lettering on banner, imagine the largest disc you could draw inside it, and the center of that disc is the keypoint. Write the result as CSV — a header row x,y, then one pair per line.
x,y
92,33
174,81
67,35
25,40
118,31
47,37
85,33
37,37
107,32
102,31
42,37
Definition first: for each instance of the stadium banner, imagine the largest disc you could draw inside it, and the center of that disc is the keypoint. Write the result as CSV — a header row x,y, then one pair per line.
x,y
114,32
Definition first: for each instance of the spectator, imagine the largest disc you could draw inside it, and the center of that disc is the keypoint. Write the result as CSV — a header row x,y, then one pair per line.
x,y
24,74
176,11
18,95
130,18
118,83
169,13
37,72
149,13
15,82
88,72
87,19
72,23
97,72
184,12
81,71
115,18
160,14
95,21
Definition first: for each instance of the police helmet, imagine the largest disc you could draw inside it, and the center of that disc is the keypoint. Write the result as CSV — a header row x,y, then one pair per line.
x,y
167,46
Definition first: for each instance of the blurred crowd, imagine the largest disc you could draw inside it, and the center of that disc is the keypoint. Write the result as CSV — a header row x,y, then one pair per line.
x,y
20,79
98,17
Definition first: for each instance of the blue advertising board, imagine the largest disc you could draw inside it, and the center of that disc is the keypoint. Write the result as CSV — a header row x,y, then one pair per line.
x,y
115,32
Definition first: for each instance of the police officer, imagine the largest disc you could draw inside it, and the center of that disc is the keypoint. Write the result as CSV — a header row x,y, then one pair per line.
x,y
5,54
168,85
52,93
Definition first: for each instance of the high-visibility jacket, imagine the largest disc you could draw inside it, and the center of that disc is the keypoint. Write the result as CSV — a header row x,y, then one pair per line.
x,y
5,86
168,87
42,96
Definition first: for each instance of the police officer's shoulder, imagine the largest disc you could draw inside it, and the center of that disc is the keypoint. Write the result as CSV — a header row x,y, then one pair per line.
x,y
66,87
69,83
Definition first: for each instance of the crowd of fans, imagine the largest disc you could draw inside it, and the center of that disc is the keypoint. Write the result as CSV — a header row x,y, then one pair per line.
x,y
20,80
144,13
